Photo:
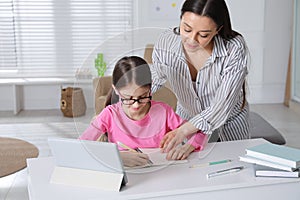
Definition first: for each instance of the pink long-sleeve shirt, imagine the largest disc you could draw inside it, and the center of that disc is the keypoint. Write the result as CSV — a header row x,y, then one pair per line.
x,y
144,133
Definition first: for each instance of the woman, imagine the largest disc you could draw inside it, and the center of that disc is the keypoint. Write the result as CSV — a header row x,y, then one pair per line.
x,y
205,63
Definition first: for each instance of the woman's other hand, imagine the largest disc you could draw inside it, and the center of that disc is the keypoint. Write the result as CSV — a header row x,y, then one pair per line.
x,y
181,152
175,137
133,159
171,140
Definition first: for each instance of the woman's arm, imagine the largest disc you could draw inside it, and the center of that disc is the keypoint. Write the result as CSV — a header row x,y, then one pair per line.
x,y
157,67
181,130
228,93
217,113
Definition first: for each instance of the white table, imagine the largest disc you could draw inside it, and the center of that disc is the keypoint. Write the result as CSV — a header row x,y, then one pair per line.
x,y
176,181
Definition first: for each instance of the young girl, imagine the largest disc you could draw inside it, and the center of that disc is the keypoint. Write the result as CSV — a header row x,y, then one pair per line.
x,y
133,118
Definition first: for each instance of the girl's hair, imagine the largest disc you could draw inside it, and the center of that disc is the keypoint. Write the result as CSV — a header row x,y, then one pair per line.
x,y
214,9
128,70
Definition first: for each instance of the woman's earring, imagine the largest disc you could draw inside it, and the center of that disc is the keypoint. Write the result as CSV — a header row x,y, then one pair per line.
x,y
176,30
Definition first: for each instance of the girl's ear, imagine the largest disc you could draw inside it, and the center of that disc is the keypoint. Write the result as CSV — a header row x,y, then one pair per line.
x,y
114,88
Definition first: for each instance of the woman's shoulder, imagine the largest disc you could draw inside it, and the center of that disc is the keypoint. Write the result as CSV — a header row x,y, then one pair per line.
x,y
238,42
230,47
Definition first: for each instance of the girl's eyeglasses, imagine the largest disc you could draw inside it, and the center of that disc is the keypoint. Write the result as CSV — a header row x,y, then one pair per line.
x,y
131,101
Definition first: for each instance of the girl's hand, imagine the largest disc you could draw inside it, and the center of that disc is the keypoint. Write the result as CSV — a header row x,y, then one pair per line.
x,y
132,159
181,152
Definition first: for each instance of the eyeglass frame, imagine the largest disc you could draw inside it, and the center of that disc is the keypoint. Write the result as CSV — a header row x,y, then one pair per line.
x,y
136,100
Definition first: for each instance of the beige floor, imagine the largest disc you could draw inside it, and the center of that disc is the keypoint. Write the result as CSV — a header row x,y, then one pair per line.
x,y
49,123
285,120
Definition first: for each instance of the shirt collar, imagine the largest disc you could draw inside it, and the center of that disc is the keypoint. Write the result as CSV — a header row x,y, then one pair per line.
x,y
219,49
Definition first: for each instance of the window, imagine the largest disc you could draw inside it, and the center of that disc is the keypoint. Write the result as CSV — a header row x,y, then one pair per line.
x,y
8,61
54,37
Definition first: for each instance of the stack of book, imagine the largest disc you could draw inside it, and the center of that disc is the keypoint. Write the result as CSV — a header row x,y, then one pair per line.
x,y
273,160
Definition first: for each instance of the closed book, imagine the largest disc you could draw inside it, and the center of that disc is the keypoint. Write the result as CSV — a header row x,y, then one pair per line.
x,y
257,161
280,154
271,172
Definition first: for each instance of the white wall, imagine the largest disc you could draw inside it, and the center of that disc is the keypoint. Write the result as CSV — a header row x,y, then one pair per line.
x,y
267,28
265,24
40,97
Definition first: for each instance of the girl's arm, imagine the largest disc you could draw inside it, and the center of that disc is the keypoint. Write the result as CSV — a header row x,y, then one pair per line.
x,y
93,132
98,127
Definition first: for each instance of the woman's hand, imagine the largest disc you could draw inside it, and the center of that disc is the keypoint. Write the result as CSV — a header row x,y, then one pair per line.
x,y
171,140
133,159
181,152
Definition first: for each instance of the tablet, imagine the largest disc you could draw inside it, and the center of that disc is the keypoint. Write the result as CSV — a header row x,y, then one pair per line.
x,y
88,155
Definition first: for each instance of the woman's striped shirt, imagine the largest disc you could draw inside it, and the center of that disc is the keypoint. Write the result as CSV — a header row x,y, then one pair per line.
x,y
215,103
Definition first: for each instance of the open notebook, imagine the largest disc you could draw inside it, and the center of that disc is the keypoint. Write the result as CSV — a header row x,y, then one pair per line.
x,y
158,159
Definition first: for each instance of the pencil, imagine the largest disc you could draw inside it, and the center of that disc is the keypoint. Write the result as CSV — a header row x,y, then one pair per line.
x,y
210,163
125,147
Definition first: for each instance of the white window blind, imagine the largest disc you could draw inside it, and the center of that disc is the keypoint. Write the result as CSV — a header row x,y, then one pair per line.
x,y
54,37
8,60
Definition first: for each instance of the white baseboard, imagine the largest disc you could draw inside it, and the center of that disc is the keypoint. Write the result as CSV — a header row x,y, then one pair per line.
x,y
295,106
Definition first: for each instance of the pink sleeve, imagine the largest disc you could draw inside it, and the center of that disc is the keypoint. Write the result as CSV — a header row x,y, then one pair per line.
x,y
198,140
174,120
97,127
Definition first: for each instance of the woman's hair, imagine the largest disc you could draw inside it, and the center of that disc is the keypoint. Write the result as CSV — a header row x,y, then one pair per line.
x,y
128,70
214,9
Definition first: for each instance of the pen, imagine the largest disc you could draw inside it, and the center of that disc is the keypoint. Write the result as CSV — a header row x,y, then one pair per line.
x,y
210,163
225,171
